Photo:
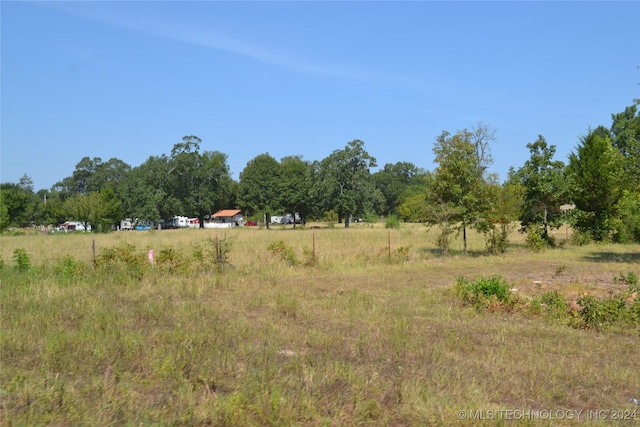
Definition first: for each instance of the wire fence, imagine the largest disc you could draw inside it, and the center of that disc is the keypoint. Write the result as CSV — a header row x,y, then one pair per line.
x,y
247,246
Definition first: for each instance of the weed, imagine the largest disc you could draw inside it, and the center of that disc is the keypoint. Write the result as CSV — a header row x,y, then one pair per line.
x,y
556,306
402,253
309,256
21,259
67,268
559,270
287,305
284,252
630,278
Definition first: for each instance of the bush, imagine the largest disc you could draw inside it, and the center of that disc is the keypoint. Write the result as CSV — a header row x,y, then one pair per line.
x,y
623,308
392,222
581,238
122,258
67,268
555,305
484,292
21,259
283,252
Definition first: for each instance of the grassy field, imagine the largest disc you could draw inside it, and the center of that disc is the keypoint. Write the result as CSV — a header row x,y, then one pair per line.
x,y
312,327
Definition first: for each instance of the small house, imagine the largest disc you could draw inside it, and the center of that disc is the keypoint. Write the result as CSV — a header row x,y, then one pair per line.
x,y
225,218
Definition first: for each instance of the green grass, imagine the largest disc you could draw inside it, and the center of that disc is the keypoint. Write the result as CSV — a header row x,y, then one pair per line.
x,y
356,339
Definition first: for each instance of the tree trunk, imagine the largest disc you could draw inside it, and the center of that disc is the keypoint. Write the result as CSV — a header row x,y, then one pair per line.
x,y
464,237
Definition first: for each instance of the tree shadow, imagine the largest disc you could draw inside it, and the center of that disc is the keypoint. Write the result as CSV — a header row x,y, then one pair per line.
x,y
437,253
612,257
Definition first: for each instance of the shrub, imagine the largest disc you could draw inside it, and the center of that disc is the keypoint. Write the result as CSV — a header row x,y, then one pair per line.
x,y
21,259
309,257
168,259
556,306
402,253
67,268
283,252
581,238
331,217
392,222
122,258
535,241
630,278
623,308
484,292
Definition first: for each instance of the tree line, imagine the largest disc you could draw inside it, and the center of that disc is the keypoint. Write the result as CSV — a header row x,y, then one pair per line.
x,y
597,191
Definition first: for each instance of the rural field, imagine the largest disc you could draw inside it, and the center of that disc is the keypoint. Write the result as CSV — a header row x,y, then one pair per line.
x,y
315,326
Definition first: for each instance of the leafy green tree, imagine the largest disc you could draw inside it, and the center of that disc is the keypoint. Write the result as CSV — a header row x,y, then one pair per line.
x,y
625,131
595,170
626,225
458,191
259,186
217,182
79,181
343,181
92,174
144,193
546,188
17,201
48,208
199,182
504,208
83,208
109,212
295,186
4,216
392,181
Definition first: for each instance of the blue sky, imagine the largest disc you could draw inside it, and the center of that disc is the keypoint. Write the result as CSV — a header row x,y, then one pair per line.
x,y
130,79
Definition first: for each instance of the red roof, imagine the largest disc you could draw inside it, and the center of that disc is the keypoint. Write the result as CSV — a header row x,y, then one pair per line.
x,y
226,212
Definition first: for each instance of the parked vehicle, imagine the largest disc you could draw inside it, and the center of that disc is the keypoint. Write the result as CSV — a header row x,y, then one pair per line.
x,y
178,222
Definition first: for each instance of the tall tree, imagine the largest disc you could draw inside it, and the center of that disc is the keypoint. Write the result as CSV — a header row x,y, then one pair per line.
x,y
79,181
92,174
295,188
625,132
546,188
198,181
84,208
458,187
217,182
17,202
258,188
392,181
144,193
343,180
595,170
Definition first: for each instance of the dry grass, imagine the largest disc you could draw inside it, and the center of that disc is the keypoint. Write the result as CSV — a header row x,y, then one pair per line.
x,y
357,339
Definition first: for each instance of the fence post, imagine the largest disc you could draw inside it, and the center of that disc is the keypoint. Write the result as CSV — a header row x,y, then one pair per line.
x,y
218,251
93,249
